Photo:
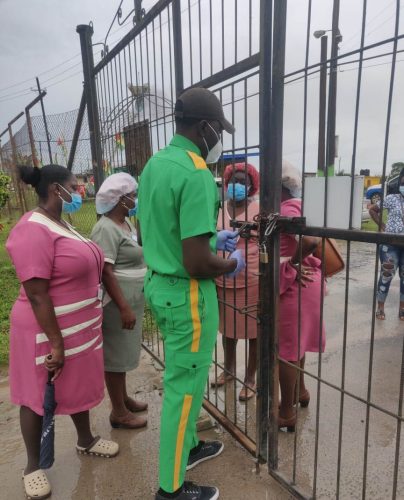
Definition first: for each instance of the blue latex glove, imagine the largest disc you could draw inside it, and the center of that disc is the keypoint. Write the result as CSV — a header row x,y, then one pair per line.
x,y
238,255
226,240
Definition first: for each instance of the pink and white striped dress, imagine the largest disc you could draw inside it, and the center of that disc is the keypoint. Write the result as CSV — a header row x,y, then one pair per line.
x,y
40,248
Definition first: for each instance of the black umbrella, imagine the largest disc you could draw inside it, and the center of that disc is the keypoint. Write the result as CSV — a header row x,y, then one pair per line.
x,y
47,452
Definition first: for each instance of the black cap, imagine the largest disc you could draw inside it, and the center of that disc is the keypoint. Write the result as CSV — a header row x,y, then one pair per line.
x,y
202,103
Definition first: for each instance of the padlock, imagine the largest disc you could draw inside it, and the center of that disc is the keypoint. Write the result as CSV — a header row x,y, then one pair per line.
x,y
264,255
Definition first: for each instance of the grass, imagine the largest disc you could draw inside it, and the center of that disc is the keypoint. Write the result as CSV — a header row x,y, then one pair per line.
x,y
9,287
370,225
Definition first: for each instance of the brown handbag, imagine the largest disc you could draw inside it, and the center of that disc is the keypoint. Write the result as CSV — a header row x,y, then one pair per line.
x,y
334,263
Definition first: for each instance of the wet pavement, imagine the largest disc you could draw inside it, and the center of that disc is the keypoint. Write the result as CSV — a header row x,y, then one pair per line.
x,y
347,418
132,475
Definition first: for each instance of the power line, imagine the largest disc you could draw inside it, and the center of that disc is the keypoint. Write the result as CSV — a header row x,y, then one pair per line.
x,y
17,84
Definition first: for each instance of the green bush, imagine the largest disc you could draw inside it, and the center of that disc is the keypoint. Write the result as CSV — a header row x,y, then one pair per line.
x,y
4,189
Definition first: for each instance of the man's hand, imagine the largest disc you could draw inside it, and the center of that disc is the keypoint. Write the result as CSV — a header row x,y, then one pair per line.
x,y
226,240
239,257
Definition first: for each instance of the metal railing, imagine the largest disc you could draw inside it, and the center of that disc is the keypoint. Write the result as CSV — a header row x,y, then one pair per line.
x,y
129,96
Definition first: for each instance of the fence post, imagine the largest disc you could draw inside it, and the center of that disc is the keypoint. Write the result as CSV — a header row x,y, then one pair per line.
x,y
272,68
17,182
45,122
31,138
177,38
77,130
86,32
263,368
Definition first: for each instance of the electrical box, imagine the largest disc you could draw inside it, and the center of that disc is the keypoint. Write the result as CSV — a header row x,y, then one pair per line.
x,y
338,201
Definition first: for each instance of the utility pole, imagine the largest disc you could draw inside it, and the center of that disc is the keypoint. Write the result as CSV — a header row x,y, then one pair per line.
x,y
44,121
321,164
332,94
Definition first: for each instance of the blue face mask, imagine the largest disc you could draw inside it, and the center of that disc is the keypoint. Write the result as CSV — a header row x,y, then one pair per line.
x,y
131,211
237,191
69,207
401,189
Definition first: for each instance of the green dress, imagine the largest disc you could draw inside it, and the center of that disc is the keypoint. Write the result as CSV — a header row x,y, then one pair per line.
x,y
121,347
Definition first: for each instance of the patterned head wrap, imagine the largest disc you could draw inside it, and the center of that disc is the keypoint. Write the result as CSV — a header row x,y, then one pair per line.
x,y
241,167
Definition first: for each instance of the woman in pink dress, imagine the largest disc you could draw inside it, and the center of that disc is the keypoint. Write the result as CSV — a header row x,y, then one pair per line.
x,y
241,183
56,320
312,335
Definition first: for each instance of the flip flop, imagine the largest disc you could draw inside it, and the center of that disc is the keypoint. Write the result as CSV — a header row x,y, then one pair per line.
x,y
36,485
247,392
100,448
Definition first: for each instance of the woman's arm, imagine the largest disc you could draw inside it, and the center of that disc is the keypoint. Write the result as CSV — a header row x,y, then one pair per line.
x,y
114,291
309,244
41,303
376,215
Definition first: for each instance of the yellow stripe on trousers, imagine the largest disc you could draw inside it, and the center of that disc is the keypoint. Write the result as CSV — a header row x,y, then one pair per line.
x,y
196,320
186,407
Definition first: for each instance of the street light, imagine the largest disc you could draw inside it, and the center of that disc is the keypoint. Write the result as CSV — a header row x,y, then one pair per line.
x,y
332,97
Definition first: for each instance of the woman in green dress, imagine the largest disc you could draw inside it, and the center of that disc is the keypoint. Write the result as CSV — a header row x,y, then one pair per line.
x,y
123,302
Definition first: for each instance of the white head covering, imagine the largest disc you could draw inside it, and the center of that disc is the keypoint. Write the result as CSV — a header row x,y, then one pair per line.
x,y
111,191
291,179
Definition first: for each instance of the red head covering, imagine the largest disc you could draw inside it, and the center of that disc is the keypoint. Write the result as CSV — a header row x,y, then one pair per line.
x,y
241,167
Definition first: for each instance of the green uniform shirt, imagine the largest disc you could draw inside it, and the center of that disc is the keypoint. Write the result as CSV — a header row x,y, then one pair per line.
x,y
177,199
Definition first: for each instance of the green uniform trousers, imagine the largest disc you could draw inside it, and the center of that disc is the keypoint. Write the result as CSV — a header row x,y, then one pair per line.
x,y
186,311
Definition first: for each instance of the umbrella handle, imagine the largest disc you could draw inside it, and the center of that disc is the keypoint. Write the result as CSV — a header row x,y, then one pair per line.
x,y
52,373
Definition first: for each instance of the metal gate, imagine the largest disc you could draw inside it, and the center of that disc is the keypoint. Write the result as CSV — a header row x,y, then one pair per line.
x,y
347,444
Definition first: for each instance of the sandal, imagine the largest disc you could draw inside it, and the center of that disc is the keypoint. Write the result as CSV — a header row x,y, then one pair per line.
x,y
304,398
100,448
401,314
221,380
129,421
380,314
135,406
289,423
247,392
36,485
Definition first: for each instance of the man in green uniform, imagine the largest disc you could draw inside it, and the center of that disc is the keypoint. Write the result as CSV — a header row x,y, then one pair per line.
x,y
177,211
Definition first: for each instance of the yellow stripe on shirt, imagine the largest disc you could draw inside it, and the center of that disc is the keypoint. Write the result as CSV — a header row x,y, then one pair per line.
x,y
196,320
199,162
186,408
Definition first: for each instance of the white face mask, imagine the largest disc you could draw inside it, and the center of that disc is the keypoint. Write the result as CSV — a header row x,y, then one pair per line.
x,y
214,153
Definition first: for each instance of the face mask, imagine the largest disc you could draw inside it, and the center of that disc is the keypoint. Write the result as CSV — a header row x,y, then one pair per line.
x,y
237,191
131,211
216,151
401,188
70,207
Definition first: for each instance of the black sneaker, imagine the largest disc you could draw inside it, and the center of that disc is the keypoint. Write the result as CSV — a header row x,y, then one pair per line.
x,y
204,451
192,491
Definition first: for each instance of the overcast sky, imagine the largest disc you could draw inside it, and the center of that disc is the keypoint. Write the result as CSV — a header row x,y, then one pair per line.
x,y
39,38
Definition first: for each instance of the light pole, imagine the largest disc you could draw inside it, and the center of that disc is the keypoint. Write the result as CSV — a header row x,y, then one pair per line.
x,y
321,163
332,89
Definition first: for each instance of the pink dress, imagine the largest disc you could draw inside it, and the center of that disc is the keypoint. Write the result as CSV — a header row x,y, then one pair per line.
x,y
235,324
40,248
310,338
